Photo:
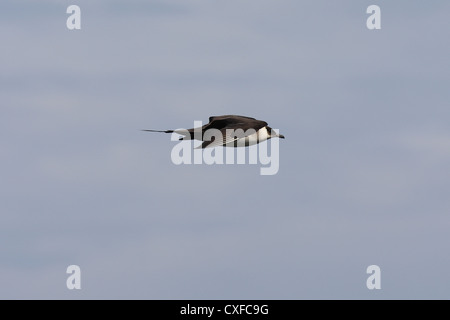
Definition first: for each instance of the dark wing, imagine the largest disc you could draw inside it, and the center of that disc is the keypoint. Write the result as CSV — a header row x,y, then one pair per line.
x,y
228,122
234,122
230,118
216,122
197,133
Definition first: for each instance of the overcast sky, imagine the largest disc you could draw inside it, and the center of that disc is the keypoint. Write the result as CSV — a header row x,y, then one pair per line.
x,y
364,174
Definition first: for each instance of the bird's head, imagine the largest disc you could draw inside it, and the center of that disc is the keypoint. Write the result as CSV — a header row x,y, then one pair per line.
x,y
273,134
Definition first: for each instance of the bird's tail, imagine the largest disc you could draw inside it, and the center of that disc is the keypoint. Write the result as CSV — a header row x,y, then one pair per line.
x,y
165,131
183,132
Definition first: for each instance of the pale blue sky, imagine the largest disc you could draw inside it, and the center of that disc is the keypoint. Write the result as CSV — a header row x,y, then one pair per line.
x,y
364,169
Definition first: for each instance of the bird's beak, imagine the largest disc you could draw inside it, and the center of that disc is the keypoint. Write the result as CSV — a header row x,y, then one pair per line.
x,y
280,136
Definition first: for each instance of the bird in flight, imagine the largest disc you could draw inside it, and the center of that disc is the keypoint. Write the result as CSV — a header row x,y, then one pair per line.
x,y
228,131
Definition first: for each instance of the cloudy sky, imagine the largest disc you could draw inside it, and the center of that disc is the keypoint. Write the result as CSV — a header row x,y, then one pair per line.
x,y
364,174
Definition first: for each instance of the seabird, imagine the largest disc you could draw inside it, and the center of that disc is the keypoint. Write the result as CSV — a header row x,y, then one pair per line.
x,y
237,131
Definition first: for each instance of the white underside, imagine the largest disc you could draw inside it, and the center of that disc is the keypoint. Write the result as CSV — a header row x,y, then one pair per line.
x,y
261,135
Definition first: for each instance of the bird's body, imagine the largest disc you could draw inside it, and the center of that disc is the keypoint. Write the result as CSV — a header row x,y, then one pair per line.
x,y
228,131
250,140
